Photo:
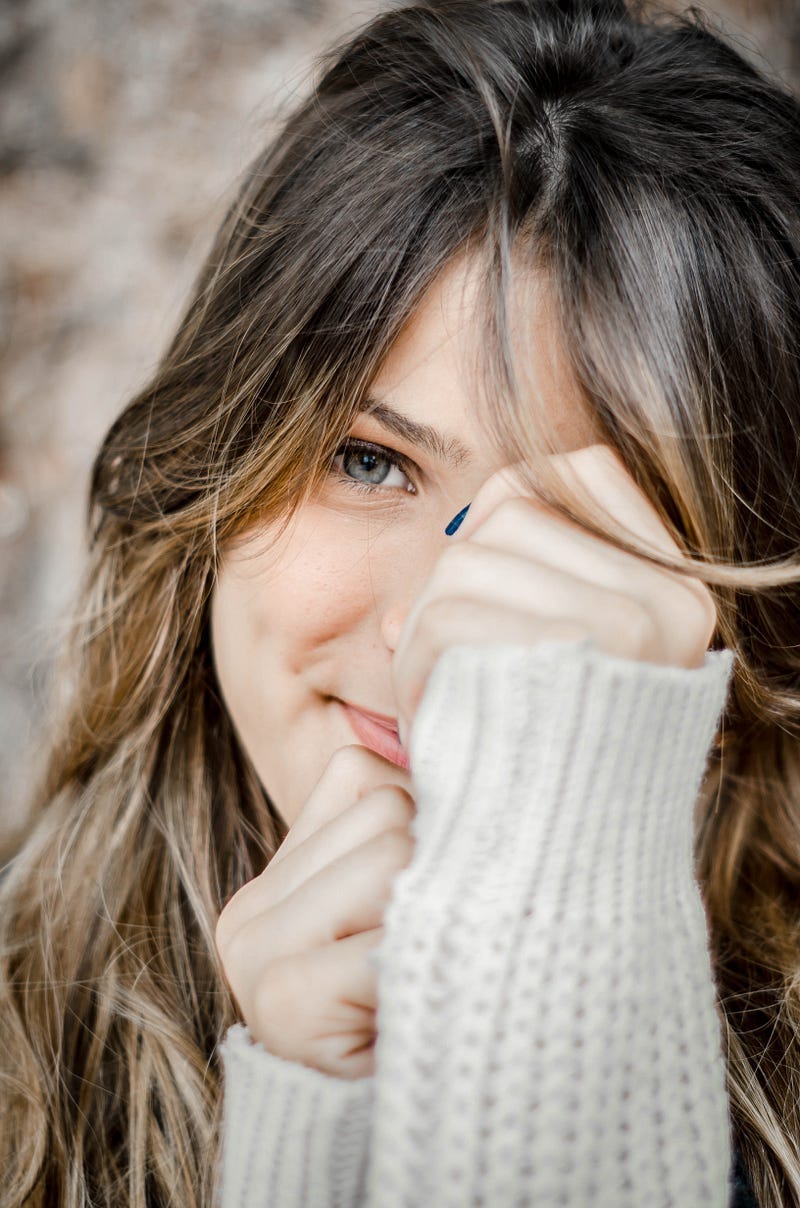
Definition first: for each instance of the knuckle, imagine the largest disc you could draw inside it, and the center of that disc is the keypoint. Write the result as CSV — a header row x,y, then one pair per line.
x,y
707,611
514,511
435,614
331,1055
392,805
244,948
697,608
236,955
278,991
267,1005
394,847
638,624
510,515
348,760
221,935
496,485
225,925
596,454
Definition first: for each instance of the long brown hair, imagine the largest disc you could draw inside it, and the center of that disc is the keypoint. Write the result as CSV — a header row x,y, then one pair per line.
x,y
653,175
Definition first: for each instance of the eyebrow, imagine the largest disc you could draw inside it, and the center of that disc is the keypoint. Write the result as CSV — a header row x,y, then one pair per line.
x,y
438,444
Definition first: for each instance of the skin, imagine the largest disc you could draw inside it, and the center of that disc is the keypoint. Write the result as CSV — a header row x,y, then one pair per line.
x,y
356,562
358,600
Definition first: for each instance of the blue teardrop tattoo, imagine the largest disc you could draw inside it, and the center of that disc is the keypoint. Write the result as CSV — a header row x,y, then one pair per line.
x,y
456,521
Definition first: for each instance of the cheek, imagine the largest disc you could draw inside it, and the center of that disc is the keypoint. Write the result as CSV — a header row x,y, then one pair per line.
x,y
274,603
285,621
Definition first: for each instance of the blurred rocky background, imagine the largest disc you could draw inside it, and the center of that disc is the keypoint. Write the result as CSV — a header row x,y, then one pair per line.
x,y
123,124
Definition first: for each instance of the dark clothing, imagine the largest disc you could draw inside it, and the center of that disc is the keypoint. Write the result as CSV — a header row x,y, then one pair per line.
x,y
742,1195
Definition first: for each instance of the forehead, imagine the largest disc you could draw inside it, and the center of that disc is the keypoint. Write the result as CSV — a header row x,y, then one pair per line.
x,y
431,370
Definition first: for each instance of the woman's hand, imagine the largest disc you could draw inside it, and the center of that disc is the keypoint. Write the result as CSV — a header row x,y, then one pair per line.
x,y
516,572
294,941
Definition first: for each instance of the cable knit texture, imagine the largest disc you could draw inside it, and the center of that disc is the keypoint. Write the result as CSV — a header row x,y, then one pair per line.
x,y
547,1032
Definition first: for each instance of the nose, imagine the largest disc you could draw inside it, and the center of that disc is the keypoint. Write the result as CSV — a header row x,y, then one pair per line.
x,y
394,618
408,580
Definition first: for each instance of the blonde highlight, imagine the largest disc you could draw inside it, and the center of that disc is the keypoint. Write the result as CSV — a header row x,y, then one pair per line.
x,y
440,129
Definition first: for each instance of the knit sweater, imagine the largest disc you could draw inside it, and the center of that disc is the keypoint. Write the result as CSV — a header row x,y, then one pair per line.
x,y
546,1029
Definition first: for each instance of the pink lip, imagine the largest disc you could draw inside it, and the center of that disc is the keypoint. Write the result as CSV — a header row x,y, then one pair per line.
x,y
379,735
380,718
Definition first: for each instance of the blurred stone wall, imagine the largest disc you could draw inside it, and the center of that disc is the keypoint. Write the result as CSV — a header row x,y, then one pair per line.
x,y
122,128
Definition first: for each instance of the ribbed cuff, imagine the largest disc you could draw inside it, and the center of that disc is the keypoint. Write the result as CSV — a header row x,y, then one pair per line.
x,y
603,749
293,1135
547,1030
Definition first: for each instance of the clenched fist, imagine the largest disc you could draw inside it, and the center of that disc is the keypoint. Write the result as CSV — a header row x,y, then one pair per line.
x,y
294,941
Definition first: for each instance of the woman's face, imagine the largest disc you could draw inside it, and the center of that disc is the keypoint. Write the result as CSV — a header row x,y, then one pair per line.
x,y
305,622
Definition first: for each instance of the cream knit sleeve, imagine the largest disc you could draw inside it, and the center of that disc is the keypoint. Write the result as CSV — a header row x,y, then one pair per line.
x,y
547,1033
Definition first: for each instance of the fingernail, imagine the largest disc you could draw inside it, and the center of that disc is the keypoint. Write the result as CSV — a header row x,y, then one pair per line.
x,y
456,521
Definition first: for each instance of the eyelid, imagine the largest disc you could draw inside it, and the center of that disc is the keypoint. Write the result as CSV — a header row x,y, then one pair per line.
x,y
409,468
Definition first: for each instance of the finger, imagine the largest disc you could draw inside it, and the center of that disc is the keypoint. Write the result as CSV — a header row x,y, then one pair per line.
x,y
505,483
597,470
351,773
518,527
600,471
505,562
519,533
318,1006
341,970
451,622
346,896
381,809
625,605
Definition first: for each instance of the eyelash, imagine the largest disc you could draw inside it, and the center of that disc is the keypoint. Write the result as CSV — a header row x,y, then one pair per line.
x,y
394,459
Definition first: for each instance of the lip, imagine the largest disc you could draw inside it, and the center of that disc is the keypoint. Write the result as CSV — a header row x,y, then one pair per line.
x,y
382,720
379,735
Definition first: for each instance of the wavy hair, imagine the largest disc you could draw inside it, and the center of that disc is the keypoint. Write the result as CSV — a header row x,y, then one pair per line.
x,y
652,175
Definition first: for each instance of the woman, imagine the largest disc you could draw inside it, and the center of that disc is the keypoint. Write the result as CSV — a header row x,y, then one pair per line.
x,y
541,258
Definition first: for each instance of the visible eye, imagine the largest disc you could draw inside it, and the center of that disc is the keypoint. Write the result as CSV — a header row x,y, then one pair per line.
x,y
376,464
